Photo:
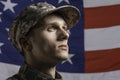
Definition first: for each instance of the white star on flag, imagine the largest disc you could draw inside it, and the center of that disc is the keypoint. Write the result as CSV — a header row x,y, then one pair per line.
x,y
0,17
9,5
7,29
67,1
1,44
69,59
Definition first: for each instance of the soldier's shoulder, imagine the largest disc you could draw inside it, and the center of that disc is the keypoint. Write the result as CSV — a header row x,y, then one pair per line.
x,y
15,77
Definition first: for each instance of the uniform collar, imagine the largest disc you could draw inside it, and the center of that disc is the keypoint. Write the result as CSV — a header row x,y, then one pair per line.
x,y
29,73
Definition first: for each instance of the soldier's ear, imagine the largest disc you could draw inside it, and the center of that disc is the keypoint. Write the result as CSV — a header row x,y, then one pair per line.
x,y
25,44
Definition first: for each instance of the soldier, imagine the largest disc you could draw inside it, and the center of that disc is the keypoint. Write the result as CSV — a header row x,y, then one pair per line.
x,y
40,33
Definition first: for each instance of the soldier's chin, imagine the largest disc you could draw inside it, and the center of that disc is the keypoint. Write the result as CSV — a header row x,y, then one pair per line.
x,y
63,56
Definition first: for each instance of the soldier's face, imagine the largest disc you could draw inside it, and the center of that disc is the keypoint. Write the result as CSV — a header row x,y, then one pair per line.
x,y
49,44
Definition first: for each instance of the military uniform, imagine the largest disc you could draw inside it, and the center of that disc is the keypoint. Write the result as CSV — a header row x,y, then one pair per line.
x,y
26,72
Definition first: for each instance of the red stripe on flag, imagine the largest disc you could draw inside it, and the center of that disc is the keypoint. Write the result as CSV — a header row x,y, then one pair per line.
x,y
102,16
102,61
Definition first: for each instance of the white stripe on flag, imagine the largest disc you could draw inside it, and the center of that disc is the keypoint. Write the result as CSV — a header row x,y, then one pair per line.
x,y
102,38
7,70
99,3
113,75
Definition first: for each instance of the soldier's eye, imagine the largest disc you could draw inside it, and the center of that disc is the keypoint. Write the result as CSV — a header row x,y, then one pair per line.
x,y
52,28
65,28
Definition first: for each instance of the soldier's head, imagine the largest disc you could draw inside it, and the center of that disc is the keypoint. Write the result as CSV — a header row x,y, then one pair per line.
x,y
41,31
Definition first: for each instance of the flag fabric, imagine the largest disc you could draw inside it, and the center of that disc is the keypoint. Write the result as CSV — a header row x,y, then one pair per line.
x,y
94,42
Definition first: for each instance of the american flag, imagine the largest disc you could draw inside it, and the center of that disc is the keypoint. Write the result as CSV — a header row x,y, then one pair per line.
x,y
94,42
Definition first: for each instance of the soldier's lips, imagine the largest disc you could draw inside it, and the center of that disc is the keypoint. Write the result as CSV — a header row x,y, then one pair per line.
x,y
63,47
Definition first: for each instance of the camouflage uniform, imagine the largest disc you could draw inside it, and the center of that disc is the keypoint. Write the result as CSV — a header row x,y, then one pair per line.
x,y
28,73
